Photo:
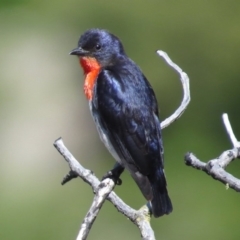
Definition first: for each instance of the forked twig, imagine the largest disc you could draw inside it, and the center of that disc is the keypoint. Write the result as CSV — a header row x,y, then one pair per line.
x,y
216,167
103,190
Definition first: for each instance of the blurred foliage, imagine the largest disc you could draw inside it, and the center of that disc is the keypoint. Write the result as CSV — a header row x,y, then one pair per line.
x,y
41,99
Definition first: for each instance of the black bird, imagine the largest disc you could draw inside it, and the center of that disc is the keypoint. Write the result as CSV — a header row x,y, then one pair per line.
x,y
125,111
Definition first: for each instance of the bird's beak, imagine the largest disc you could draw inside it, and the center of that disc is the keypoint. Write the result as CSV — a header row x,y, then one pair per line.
x,y
78,51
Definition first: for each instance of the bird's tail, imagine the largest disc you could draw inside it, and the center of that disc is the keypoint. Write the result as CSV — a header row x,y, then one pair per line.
x,y
161,203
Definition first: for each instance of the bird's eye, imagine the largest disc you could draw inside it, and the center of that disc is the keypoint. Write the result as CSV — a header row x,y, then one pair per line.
x,y
98,47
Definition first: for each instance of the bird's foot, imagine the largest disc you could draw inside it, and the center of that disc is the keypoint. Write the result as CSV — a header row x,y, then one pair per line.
x,y
114,174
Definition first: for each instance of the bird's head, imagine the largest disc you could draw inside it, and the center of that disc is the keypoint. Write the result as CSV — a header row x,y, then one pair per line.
x,y
100,45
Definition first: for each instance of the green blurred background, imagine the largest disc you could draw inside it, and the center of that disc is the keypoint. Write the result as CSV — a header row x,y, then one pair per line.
x,y
41,99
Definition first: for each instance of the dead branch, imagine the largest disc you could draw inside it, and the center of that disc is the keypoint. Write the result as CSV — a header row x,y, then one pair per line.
x,y
216,167
186,90
102,191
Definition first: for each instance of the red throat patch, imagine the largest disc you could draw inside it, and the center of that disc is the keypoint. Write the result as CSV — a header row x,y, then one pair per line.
x,y
91,70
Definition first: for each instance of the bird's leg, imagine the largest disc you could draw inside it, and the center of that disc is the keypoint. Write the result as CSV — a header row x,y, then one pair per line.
x,y
114,174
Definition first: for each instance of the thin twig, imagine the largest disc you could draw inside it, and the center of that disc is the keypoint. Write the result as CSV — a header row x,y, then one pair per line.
x,y
229,130
186,90
216,167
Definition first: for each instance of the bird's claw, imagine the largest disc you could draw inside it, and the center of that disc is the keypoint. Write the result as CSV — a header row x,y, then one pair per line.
x,y
112,175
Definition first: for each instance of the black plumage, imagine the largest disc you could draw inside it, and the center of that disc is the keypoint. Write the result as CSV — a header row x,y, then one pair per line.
x,y
125,111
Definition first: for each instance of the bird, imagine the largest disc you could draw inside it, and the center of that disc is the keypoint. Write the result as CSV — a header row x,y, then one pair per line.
x,y
125,111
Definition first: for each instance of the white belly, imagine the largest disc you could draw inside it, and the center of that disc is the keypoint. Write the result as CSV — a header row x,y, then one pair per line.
x,y
103,136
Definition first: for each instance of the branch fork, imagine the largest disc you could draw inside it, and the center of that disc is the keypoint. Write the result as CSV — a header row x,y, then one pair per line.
x,y
216,167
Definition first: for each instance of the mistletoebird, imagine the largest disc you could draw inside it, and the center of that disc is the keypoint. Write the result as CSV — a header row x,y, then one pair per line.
x,y
125,110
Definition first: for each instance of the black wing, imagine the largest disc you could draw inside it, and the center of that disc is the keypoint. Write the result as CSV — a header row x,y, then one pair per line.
x,y
127,110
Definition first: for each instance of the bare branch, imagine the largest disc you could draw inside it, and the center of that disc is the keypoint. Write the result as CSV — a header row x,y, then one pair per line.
x,y
140,218
186,90
143,222
216,167
104,188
